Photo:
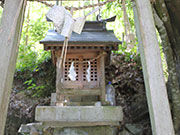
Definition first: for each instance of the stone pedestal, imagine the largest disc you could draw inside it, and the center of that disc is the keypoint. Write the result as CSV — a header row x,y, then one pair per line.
x,y
79,115
75,120
40,129
99,130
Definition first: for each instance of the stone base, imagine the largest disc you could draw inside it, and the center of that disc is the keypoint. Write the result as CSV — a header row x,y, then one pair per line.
x,y
77,120
79,115
100,130
40,129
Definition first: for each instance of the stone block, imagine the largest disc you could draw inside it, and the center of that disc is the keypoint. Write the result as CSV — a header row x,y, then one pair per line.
x,y
79,115
53,99
47,130
99,130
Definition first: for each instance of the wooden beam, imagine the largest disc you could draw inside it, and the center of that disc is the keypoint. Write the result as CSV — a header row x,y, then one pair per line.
x,y
84,92
156,91
102,78
79,103
10,30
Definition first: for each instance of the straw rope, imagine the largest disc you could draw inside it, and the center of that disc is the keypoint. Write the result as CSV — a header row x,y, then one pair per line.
x,y
78,8
45,3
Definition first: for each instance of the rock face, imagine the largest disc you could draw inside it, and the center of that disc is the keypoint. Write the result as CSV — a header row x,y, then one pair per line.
x,y
127,78
23,100
21,111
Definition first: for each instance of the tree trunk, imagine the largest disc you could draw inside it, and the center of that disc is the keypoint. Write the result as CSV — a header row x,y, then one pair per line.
x,y
10,31
167,18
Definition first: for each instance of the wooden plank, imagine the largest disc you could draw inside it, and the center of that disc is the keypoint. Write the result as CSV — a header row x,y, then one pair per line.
x,y
80,71
10,31
84,45
156,92
79,103
84,92
102,78
59,74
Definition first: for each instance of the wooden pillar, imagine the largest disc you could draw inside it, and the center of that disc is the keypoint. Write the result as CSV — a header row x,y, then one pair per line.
x,y
156,92
59,74
102,78
10,31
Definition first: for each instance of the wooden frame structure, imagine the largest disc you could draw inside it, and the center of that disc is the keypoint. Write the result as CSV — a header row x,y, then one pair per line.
x,y
10,31
90,51
80,87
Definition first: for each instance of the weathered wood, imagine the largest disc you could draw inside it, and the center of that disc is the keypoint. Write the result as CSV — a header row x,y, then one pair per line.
x,y
59,74
83,48
102,78
79,103
156,92
80,69
79,57
84,92
10,30
85,103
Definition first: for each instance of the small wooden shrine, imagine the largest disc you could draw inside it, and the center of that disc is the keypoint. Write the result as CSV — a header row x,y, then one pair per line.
x,y
79,106
11,26
90,50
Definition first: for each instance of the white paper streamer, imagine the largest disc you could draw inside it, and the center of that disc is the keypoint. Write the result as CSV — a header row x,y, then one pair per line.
x,y
57,15
88,75
80,21
62,19
68,25
72,73
79,24
64,22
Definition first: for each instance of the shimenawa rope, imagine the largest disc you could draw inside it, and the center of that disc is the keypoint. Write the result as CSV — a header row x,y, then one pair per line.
x,y
78,8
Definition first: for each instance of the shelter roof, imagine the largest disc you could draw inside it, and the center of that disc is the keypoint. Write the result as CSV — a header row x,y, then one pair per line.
x,y
86,37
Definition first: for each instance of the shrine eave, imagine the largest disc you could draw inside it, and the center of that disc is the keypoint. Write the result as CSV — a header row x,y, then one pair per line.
x,y
92,37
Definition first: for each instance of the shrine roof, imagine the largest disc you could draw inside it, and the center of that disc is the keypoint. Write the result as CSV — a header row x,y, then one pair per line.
x,y
86,37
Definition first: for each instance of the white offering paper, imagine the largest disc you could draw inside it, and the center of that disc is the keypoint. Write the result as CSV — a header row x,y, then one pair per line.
x,y
62,19
88,75
72,73
64,22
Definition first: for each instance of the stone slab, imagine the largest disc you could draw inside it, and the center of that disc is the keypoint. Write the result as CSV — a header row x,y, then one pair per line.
x,y
41,129
100,130
79,115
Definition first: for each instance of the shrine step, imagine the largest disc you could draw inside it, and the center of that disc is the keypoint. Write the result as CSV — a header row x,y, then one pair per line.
x,y
79,103
79,115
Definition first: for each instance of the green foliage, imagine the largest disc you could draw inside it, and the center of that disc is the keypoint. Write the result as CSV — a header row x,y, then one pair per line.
x,y
164,64
115,8
0,13
129,55
40,83
31,53
31,56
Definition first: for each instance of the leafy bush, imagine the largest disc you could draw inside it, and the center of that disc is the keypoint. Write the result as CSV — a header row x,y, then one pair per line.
x,y
35,27
31,56
38,83
0,13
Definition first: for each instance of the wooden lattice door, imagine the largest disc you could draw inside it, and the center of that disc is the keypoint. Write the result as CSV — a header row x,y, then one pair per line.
x,y
81,65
